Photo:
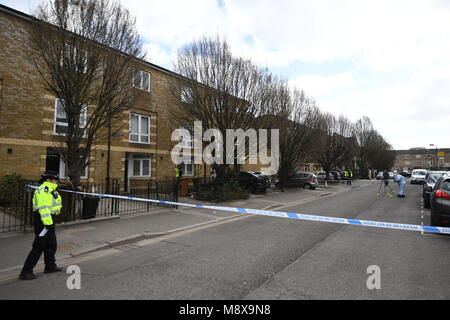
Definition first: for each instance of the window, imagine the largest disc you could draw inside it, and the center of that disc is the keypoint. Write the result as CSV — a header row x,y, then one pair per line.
x,y
187,143
418,162
418,156
139,128
187,94
188,170
61,121
407,156
407,162
141,80
429,156
55,162
74,58
140,165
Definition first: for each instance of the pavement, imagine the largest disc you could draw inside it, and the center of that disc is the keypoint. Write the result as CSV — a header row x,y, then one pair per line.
x,y
90,236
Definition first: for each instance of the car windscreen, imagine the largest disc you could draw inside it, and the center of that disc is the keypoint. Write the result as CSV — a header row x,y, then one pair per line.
x,y
445,186
420,173
434,177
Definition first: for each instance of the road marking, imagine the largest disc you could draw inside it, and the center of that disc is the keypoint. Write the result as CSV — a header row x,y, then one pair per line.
x,y
67,261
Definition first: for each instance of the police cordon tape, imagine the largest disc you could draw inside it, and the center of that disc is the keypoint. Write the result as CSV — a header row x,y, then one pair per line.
x,y
279,214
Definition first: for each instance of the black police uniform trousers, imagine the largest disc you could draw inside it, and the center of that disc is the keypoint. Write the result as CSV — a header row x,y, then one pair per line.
x,y
46,244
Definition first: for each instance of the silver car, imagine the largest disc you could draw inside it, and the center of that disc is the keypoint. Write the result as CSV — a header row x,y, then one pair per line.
x,y
418,176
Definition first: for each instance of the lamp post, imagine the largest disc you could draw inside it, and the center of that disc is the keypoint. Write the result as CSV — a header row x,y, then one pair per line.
x,y
437,156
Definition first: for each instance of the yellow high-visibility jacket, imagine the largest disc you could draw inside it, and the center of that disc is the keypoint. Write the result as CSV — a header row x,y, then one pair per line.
x,y
47,201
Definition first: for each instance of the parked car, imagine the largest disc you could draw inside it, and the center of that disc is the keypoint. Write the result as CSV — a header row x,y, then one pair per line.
x,y
254,181
300,179
418,176
405,174
321,175
335,175
380,175
440,202
430,181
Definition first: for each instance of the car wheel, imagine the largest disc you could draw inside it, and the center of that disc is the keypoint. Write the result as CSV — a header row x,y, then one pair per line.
x,y
426,203
307,186
434,221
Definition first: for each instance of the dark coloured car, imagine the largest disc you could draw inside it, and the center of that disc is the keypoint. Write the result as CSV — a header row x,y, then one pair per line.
x,y
440,202
300,179
254,181
430,181
405,174
335,175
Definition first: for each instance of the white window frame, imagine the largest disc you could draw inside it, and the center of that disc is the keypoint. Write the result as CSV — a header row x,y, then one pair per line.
x,y
140,157
407,156
407,162
141,85
185,171
83,119
63,166
139,134
69,46
186,94
186,144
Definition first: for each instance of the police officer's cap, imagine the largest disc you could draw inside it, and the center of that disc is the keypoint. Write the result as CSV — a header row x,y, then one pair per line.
x,y
51,175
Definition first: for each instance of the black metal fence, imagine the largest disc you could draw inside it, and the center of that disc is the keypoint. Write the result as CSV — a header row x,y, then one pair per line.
x,y
16,202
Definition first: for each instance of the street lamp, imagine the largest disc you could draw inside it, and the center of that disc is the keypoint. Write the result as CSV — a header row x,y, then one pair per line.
x,y
437,156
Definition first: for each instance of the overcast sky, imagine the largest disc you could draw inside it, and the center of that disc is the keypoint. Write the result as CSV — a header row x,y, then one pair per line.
x,y
386,59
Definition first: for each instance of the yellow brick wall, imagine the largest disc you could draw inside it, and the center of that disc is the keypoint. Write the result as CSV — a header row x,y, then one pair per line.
x,y
27,116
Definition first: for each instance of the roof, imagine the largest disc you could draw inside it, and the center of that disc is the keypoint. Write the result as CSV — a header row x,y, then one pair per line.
x,y
29,18
423,151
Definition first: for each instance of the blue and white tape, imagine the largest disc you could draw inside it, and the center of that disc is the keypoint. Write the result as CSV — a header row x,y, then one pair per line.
x,y
279,214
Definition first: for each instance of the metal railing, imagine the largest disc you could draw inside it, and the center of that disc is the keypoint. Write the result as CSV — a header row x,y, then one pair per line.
x,y
16,203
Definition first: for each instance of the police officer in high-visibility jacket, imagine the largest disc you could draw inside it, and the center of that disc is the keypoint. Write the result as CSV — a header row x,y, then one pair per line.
x,y
46,203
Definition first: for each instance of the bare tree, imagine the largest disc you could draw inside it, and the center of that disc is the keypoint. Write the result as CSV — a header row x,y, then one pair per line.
x,y
364,133
222,92
298,130
84,51
381,154
336,144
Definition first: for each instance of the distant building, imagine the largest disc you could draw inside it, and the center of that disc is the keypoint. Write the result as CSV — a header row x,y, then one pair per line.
x,y
422,158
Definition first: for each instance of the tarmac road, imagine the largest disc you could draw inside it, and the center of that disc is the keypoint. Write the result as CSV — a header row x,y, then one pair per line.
x,y
255,257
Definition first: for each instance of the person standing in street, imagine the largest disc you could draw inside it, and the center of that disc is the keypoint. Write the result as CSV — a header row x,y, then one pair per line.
x,y
348,176
46,204
386,177
401,180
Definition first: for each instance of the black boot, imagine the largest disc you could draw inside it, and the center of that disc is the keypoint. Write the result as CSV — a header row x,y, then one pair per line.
x,y
27,276
53,270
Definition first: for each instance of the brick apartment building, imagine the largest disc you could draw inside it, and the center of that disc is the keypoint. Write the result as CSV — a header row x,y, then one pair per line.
x,y
422,158
31,127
